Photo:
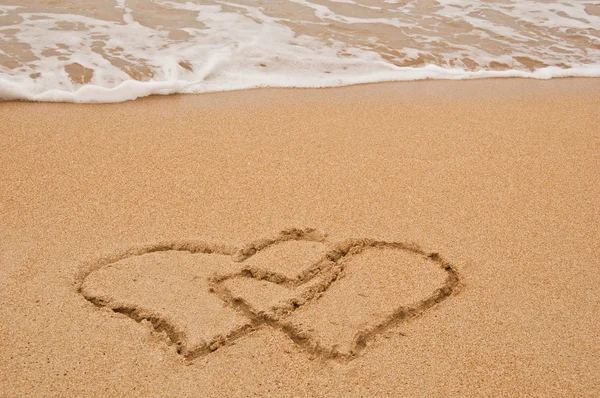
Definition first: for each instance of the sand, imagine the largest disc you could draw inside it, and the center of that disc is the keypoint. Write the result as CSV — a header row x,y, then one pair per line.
x,y
406,239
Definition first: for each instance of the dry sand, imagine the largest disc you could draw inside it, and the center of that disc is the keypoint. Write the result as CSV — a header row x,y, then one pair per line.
x,y
439,239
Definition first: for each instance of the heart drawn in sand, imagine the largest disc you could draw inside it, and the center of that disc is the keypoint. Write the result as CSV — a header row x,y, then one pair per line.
x,y
329,298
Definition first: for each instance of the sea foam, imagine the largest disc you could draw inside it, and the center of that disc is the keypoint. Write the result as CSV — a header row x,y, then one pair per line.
x,y
56,53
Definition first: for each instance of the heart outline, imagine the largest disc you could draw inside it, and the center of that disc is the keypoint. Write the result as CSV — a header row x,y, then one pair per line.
x,y
328,268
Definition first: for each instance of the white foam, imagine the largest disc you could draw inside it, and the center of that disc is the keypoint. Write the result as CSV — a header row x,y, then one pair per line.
x,y
233,46
132,89
6,9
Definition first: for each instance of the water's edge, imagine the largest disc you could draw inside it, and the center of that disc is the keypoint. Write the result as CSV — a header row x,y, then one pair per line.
x,y
133,89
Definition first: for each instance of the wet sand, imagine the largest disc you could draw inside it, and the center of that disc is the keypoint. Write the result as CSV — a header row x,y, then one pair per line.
x,y
439,239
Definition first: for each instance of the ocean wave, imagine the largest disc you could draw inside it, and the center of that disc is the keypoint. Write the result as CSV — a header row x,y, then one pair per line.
x,y
62,53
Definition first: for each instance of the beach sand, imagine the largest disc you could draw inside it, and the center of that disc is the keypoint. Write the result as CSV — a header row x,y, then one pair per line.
x,y
439,239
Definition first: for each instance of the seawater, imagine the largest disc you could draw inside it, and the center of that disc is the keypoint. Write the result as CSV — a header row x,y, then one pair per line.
x,y
117,50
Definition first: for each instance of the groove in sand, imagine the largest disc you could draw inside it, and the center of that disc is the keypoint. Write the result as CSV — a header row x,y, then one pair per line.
x,y
294,314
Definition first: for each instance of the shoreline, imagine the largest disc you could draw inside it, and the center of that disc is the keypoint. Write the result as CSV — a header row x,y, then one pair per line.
x,y
498,176
383,83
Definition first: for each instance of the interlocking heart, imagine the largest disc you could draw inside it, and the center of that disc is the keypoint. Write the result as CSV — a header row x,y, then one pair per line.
x,y
329,298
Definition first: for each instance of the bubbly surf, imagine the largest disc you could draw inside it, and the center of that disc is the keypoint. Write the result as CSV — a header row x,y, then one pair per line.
x,y
118,50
